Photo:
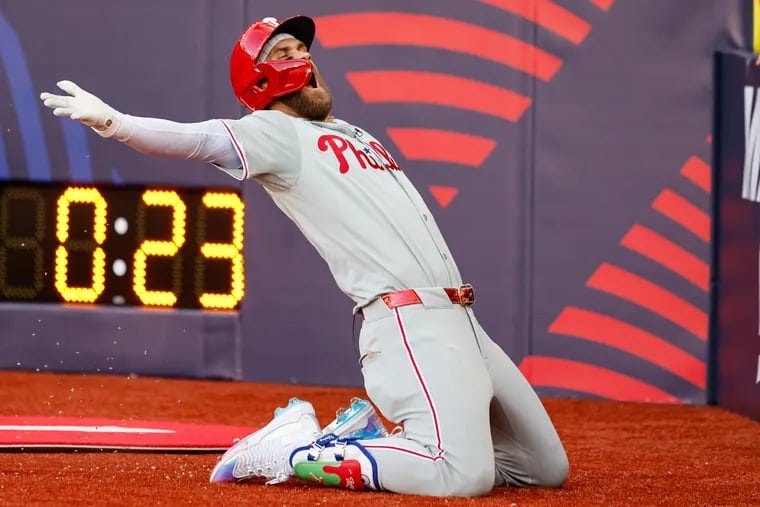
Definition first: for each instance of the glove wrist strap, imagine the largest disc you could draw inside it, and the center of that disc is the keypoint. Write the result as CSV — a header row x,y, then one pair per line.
x,y
111,125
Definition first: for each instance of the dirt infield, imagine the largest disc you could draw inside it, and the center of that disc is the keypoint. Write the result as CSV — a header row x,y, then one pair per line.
x,y
620,453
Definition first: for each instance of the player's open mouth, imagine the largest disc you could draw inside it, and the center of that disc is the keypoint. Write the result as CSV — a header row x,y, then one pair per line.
x,y
313,81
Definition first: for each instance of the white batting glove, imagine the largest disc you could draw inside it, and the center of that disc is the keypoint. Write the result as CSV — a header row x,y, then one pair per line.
x,y
84,107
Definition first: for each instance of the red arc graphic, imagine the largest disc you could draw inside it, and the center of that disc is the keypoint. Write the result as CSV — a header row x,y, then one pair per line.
x,y
596,327
405,29
590,379
446,89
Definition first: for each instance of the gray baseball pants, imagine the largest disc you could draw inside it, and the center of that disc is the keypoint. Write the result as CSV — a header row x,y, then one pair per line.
x,y
470,420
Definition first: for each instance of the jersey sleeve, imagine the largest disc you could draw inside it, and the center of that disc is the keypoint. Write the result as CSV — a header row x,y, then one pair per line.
x,y
206,141
268,146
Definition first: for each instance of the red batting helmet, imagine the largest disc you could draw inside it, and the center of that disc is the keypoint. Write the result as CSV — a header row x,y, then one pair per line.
x,y
257,84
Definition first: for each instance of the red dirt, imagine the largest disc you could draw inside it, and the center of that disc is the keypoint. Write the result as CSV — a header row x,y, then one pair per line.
x,y
620,453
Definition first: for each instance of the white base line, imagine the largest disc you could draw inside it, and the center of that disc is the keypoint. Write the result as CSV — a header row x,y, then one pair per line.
x,y
83,429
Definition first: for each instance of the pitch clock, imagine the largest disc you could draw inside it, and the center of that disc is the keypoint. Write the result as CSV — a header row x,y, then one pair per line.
x,y
159,247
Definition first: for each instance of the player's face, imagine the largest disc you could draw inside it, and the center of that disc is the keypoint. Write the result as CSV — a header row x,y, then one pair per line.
x,y
314,101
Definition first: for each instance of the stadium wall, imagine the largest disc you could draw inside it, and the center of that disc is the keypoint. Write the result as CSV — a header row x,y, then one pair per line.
x,y
576,196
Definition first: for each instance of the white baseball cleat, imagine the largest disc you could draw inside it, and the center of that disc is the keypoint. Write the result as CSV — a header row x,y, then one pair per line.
x,y
266,452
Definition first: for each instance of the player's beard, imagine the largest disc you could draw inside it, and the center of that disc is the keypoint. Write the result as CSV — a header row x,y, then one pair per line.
x,y
313,104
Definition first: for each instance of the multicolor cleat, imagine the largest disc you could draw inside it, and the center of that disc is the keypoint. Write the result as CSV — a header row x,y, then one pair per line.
x,y
358,421
336,458
266,452
354,467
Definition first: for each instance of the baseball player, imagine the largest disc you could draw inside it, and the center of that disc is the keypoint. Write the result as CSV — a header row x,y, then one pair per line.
x,y
467,419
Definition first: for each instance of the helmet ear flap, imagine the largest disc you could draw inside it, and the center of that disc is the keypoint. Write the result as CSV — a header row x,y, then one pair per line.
x,y
253,93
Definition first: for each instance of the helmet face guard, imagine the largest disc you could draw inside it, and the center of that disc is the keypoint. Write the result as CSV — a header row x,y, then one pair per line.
x,y
256,85
273,79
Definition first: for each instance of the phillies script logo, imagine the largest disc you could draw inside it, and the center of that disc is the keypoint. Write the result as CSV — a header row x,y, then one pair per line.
x,y
374,156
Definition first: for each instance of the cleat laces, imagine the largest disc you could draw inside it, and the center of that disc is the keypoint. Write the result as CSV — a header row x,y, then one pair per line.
x,y
268,460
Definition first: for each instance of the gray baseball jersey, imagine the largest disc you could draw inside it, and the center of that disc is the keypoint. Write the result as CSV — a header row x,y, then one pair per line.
x,y
349,198
470,419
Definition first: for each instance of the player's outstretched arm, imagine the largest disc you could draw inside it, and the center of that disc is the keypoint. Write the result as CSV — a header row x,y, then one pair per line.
x,y
205,141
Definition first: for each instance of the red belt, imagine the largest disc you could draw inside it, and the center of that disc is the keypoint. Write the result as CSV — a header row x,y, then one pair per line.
x,y
463,295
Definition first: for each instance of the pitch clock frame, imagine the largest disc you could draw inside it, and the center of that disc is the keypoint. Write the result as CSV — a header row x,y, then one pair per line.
x,y
144,246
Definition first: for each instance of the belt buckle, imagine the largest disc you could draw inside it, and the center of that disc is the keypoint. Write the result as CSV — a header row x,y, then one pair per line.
x,y
466,294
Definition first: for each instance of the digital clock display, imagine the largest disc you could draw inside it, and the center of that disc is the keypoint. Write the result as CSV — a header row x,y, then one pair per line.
x,y
121,245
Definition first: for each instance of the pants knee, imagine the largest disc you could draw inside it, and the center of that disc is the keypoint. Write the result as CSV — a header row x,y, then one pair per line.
x,y
553,471
476,481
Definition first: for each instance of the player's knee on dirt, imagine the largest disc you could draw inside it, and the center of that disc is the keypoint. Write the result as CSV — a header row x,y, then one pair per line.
x,y
474,480
546,468
553,470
